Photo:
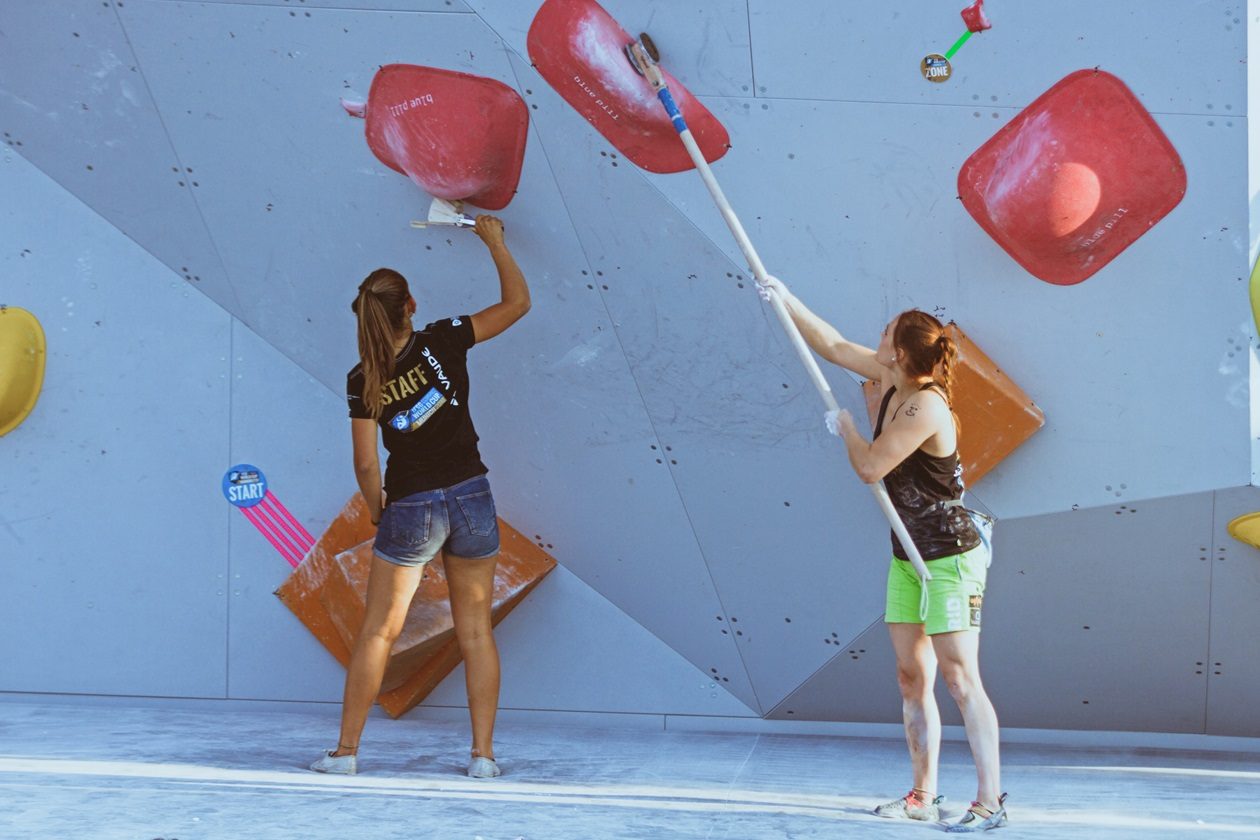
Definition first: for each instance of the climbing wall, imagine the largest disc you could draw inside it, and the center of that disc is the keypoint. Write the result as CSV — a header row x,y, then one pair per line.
x,y
647,423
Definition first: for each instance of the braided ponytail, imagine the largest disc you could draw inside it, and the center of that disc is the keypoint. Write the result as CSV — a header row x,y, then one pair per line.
x,y
949,356
926,347
381,308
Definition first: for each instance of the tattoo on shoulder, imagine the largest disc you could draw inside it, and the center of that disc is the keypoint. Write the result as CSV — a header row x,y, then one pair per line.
x,y
912,409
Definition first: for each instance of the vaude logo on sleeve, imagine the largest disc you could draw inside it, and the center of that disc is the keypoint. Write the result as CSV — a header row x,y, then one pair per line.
x,y
437,368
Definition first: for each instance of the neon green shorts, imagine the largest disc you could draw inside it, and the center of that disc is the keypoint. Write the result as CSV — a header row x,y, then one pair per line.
x,y
954,594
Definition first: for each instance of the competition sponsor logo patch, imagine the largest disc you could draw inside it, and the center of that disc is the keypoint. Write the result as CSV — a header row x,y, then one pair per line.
x,y
415,417
936,68
974,602
953,613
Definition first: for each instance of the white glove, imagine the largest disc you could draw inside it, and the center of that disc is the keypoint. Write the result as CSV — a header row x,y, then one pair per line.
x,y
772,282
832,421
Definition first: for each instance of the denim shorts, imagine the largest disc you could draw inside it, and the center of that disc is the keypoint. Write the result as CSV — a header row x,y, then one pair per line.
x,y
460,519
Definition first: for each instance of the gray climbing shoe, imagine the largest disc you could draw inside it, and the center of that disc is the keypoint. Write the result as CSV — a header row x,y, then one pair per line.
x,y
483,768
346,765
980,818
915,805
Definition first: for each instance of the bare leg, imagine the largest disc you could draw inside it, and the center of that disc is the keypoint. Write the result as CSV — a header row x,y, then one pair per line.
x,y
916,674
472,595
390,589
959,655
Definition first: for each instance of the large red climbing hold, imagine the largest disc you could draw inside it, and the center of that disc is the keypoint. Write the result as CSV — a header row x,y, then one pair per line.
x,y
459,137
1075,179
975,18
580,50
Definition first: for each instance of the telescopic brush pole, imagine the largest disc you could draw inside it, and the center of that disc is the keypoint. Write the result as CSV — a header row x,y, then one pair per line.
x,y
643,56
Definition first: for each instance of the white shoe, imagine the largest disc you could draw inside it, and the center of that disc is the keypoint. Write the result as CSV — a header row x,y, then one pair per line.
x,y
483,768
974,820
344,764
915,805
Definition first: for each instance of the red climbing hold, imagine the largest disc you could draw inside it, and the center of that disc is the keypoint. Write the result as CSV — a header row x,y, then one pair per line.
x,y
460,137
580,50
975,18
1077,177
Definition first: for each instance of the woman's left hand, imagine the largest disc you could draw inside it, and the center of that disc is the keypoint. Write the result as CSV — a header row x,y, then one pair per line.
x,y
838,422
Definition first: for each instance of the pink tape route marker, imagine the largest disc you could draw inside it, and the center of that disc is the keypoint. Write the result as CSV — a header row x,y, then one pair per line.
x,y
245,486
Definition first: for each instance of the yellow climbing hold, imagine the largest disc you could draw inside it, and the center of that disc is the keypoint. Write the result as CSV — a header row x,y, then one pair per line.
x,y
1255,294
1246,528
22,353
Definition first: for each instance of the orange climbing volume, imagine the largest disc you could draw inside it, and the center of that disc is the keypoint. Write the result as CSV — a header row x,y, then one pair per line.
x,y
328,593
995,414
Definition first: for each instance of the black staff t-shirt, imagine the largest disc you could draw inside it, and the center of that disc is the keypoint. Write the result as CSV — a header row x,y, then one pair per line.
x,y
425,422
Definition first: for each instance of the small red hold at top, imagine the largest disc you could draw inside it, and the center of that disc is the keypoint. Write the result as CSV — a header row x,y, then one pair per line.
x,y
975,18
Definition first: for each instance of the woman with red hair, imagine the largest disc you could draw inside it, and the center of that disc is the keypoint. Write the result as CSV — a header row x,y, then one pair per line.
x,y
914,451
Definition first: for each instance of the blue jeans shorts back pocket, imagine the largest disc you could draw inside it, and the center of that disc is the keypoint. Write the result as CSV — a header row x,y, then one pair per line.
x,y
479,513
409,523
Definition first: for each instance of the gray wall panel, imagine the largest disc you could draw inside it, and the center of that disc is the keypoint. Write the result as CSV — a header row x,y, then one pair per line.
x,y
798,549
572,452
75,102
1232,667
299,7
566,647
637,422
1183,58
1095,619
114,539
304,281
284,174
295,430
868,231
1253,127
697,344
785,527
857,685
1253,192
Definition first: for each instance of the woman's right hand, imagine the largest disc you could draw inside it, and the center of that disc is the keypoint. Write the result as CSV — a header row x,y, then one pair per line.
x,y
772,284
490,229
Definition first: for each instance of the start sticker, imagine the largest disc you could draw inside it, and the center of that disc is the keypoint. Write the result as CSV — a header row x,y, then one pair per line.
x,y
244,485
936,68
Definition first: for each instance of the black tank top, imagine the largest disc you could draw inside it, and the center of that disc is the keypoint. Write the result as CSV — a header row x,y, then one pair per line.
x,y
916,486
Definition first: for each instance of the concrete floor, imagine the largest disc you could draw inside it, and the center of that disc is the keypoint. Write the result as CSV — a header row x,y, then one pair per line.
x,y
93,772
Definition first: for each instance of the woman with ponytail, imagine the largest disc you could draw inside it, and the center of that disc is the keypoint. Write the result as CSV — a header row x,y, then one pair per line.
x,y
915,453
413,387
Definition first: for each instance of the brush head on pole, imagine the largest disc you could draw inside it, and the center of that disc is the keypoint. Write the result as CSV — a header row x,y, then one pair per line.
x,y
642,53
643,60
444,213
650,46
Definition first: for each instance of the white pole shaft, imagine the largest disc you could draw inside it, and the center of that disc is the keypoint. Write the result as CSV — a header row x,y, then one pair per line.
x,y
798,341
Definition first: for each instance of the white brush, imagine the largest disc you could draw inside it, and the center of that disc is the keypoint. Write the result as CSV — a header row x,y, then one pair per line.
x,y
444,213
